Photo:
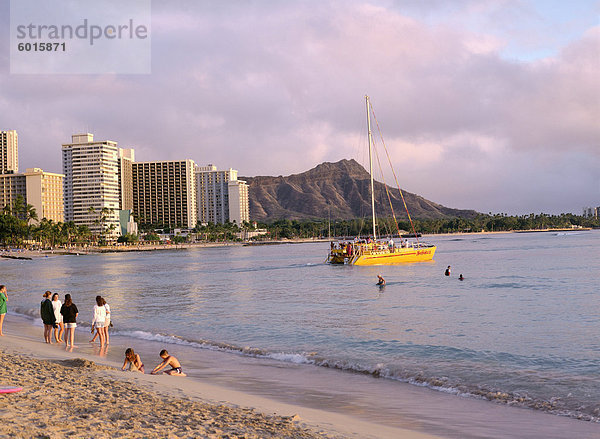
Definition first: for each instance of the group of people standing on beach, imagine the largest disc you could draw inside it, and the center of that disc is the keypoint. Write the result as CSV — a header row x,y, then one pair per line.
x,y
62,317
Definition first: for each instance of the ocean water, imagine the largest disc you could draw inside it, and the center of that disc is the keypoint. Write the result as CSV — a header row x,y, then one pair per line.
x,y
522,329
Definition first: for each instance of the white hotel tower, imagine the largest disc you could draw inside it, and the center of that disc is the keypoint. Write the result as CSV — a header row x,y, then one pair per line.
x,y
9,152
91,180
221,197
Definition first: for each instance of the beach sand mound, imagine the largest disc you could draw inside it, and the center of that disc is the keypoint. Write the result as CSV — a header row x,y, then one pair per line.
x,y
82,362
75,398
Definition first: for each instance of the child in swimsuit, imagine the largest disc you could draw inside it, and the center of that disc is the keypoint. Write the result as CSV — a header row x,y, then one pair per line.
x,y
134,360
169,360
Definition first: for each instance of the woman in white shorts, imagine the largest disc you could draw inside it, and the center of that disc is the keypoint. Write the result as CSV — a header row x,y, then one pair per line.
x,y
98,320
69,313
59,328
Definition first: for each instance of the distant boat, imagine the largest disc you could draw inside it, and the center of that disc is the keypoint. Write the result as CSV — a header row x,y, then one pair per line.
x,y
411,235
373,251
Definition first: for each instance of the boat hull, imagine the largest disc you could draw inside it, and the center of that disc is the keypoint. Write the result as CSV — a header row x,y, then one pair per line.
x,y
400,256
378,255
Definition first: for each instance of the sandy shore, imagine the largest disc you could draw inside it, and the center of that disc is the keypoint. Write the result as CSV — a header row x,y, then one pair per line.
x,y
78,398
81,394
24,253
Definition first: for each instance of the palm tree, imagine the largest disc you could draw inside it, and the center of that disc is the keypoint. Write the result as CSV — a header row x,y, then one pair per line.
x,y
105,213
83,232
69,231
18,207
30,213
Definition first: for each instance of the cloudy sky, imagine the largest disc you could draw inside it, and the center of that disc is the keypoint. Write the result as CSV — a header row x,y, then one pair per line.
x,y
487,105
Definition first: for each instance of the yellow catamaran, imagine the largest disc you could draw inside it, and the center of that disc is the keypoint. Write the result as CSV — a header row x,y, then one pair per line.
x,y
372,251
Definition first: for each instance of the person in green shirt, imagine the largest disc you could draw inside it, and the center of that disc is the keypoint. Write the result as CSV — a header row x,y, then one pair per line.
x,y
3,299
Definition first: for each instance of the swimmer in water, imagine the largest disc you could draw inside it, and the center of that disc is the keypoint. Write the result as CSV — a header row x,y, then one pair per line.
x,y
447,272
381,281
461,277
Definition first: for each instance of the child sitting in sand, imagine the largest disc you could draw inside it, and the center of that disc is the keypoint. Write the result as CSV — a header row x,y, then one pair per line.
x,y
134,360
169,360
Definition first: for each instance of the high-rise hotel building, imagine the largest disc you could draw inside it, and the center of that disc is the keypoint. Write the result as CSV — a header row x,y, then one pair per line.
x,y
126,159
91,171
239,207
221,196
45,193
164,193
11,187
9,152
43,190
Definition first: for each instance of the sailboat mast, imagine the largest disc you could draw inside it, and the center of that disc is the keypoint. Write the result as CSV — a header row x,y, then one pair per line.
x,y
371,165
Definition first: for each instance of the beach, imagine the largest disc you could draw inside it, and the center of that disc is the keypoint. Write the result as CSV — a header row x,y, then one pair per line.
x,y
273,329
78,398
80,394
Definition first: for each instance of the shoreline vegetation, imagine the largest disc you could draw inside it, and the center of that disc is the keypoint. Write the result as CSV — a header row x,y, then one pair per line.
x,y
24,253
20,228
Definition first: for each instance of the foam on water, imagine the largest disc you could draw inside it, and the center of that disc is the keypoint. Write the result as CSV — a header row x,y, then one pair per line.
x,y
442,384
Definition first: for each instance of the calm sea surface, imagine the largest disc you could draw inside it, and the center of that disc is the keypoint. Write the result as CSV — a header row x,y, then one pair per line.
x,y
522,328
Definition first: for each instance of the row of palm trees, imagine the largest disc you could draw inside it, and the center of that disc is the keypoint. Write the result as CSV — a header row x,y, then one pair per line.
x,y
17,227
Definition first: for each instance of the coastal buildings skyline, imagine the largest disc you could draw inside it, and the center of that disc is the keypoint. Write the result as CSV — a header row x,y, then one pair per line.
x,y
104,188
222,210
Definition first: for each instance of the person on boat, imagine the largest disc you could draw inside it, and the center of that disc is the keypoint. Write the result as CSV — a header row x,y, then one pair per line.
x,y
381,281
447,272
461,277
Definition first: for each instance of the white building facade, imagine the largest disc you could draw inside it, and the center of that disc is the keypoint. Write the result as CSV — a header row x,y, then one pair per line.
x,y
221,196
239,209
9,152
91,182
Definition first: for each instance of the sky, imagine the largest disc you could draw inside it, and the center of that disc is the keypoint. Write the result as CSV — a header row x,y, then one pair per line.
x,y
485,105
